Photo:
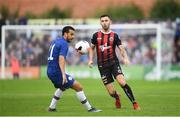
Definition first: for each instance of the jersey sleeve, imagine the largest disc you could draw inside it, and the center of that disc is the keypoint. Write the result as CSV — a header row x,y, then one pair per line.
x,y
63,49
117,40
94,39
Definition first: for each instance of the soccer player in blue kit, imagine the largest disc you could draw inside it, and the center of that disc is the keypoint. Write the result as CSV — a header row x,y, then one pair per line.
x,y
56,70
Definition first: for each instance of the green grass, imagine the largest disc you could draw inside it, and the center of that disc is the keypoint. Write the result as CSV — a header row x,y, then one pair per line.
x,y
32,97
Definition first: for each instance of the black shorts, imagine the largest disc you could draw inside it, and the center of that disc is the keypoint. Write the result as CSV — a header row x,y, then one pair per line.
x,y
109,73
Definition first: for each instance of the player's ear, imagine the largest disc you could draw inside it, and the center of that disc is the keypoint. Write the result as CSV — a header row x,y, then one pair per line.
x,y
65,35
110,21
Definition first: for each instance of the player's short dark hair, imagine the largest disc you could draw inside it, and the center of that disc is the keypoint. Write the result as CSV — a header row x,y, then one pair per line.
x,y
66,29
105,15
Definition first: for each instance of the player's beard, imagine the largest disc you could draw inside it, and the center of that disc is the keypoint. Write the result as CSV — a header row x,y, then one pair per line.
x,y
69,40
106,27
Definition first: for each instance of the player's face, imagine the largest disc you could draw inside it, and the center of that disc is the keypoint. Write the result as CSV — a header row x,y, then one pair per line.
x,y
70,35
105,23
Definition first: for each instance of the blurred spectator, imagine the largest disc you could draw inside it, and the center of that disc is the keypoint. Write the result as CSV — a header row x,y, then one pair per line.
x,y
72,56
178,52
22,21
54,34
176,58
176,45
15,66
31,46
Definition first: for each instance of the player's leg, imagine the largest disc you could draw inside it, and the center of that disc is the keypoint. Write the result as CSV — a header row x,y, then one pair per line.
x,y
117,73
127,89
57,95
113,93
108,82
82,98
57,81
120,79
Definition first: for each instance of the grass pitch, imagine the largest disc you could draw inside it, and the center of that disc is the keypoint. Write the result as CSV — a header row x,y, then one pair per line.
x,y
32,98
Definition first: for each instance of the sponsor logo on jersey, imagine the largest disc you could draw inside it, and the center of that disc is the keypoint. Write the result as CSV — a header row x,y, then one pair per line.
x,y
104,47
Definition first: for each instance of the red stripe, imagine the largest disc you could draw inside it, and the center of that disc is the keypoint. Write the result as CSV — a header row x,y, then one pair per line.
x,y
111,44
99,38
105,45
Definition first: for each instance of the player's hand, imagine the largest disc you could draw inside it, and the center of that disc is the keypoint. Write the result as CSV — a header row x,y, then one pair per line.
x,y
64,79
90,64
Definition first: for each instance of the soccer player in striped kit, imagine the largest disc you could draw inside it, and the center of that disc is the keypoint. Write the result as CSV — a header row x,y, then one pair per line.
x,y
105,41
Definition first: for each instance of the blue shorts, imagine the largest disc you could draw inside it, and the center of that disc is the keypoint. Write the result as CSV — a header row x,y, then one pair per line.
x,y
56,79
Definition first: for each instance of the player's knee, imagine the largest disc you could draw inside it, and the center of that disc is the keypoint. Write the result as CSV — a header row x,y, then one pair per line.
x,y
78,88
121,80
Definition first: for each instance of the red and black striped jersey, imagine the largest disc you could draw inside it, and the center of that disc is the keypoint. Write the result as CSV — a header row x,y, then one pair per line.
x,y
105,46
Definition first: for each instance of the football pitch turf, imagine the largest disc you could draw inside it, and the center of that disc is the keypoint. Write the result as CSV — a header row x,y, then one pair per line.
x,y
32,98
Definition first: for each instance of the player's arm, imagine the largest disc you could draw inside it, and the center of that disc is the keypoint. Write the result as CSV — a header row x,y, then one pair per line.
x,y
91,50
62,67
124,55
91,55
62,60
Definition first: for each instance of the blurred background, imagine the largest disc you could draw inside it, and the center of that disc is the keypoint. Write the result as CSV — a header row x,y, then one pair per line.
x,y
149,29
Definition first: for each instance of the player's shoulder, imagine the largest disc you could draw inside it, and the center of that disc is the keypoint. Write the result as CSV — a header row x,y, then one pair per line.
x,y
95,33
115,33
61,41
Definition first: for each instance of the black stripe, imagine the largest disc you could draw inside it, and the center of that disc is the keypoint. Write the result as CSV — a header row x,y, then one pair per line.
x,y
83,102
99,35
108,51
129,92
57,98
102,56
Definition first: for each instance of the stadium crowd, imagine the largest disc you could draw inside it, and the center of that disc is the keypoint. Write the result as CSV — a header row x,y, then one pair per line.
x,y
31,48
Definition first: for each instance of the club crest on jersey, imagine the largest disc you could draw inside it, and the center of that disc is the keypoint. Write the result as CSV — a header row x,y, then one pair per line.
x,y
70,78
111,38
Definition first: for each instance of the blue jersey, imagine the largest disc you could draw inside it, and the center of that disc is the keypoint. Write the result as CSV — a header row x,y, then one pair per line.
x,y
58,47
